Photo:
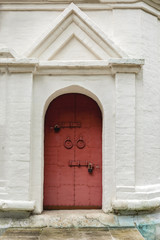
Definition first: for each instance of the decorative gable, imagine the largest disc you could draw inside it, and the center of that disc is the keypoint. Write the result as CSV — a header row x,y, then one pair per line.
x,y
74,37
75,49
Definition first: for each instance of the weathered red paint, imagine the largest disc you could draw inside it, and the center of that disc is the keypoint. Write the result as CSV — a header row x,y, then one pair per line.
x,y
67,186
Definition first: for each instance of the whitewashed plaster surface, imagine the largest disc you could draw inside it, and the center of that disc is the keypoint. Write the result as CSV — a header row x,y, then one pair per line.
x,y
110,40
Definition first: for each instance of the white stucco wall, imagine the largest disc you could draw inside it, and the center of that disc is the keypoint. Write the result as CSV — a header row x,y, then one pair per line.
x,y
151,100
129,101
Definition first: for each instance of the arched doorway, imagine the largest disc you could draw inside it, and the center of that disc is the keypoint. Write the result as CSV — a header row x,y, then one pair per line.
x,y
73,153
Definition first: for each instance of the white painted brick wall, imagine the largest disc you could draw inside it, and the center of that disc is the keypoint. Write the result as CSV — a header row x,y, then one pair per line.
x,y
127,31
137,116
19,30
18,122
149,166
3,138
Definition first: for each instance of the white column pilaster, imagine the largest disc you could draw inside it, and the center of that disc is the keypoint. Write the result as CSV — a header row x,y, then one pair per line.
x,y
125,71
18,131
125,129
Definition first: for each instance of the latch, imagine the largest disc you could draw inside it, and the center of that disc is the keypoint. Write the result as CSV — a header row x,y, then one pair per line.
x,y
78,163
82,164
60,125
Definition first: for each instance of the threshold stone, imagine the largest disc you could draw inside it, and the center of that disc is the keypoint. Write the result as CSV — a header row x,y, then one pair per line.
x,y
71,234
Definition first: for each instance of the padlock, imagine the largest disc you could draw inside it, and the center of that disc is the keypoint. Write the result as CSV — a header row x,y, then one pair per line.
x,y
56,128
90,167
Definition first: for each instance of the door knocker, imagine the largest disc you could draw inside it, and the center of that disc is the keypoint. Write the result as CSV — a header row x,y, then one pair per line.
x,y
81,143
68,143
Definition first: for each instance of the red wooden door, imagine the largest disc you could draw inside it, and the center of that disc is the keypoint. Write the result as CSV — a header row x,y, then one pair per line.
x,y
73,153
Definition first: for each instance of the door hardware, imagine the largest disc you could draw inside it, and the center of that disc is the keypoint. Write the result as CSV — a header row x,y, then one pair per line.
x,y
60,125
56,128
68,143
78,163
90,167
81,143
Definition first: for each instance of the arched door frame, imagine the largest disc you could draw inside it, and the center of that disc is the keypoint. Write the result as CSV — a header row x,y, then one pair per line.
x,y
107,190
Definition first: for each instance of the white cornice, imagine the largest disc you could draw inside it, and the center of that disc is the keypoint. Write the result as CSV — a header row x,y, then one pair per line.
x,y
150,6
94,67
125,65
18,65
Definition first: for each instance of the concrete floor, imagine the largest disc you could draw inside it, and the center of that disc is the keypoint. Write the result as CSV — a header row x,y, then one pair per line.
x,y
71,234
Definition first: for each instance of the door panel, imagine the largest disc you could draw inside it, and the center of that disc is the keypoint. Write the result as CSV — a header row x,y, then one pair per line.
x,y
69,150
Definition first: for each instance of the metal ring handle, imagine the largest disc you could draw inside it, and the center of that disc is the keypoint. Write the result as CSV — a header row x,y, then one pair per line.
x,y
81,143
68,143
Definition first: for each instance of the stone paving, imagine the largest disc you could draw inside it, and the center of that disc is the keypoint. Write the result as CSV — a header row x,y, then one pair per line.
x,y
71,234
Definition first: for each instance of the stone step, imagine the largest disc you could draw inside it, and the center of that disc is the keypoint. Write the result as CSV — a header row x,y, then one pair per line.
x,y
19,238
71,234
22,234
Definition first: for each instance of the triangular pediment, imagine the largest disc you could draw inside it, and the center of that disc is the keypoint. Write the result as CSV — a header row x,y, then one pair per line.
x,y
74,36
74,49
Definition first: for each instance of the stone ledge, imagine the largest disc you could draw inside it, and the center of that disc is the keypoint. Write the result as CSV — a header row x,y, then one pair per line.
x,y
11,205
136,205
